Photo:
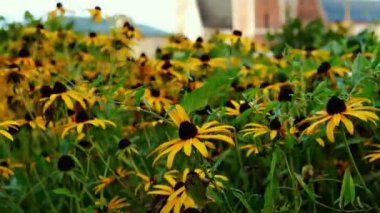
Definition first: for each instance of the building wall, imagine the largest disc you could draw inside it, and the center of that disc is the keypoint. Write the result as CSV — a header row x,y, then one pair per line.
x,y
308,10
268,14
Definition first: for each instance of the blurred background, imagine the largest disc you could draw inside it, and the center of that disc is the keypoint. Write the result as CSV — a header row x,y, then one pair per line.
x,y
194,18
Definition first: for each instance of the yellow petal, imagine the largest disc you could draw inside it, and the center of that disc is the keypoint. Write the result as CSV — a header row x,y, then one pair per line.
x,y
201,148
187,147
273,134
6,134
172,154
67,101
348,124
320,142
330,130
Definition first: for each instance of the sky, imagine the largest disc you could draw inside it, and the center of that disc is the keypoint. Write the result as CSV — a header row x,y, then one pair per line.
x,y
160,14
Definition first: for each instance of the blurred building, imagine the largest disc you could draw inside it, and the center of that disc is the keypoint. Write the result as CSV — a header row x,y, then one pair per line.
x,y
257,17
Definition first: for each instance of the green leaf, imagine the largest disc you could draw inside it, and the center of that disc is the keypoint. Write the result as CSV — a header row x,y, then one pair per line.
x,y
358,67
347,192
305,187
63,191
239,195
271,190
138,95
213,86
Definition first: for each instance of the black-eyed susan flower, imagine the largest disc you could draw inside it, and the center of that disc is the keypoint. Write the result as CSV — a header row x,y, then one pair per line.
x,y
105,181
33,121
93,39
5,126
317,54
251,149
191,135
65,163
115,204
205,61
129,31
373,155
233,108
274,129
96,14
82,120
6,168
338,110
325,69
60,92
147,182
59,10
157,99
176,194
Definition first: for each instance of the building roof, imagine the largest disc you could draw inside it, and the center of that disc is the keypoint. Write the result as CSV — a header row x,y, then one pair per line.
x,y
83,24
360,10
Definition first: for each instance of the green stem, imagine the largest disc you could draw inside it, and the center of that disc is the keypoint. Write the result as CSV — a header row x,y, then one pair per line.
x,y
361,179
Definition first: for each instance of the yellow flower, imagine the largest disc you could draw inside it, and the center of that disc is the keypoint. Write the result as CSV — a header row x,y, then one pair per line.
x,y
273,129
94,39
6,168
338,110
326,70
177,197
59,10
205,61
251,149
96,14
147,181
316,54
81,120
33,121
115,203
156,98
104,182
67,96
191,135
233,108
373,155
4,127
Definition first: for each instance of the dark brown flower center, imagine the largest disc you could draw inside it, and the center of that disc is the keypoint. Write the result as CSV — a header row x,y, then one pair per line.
x,y
29,116
205,58
166,65
45,91
117,44
4,164
124,143
81,116
178,185
243,107
24,52
335,106
286,93
92,34
59,88
187,130
66,163
237,33
85,144
324,67
275,124
155,92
